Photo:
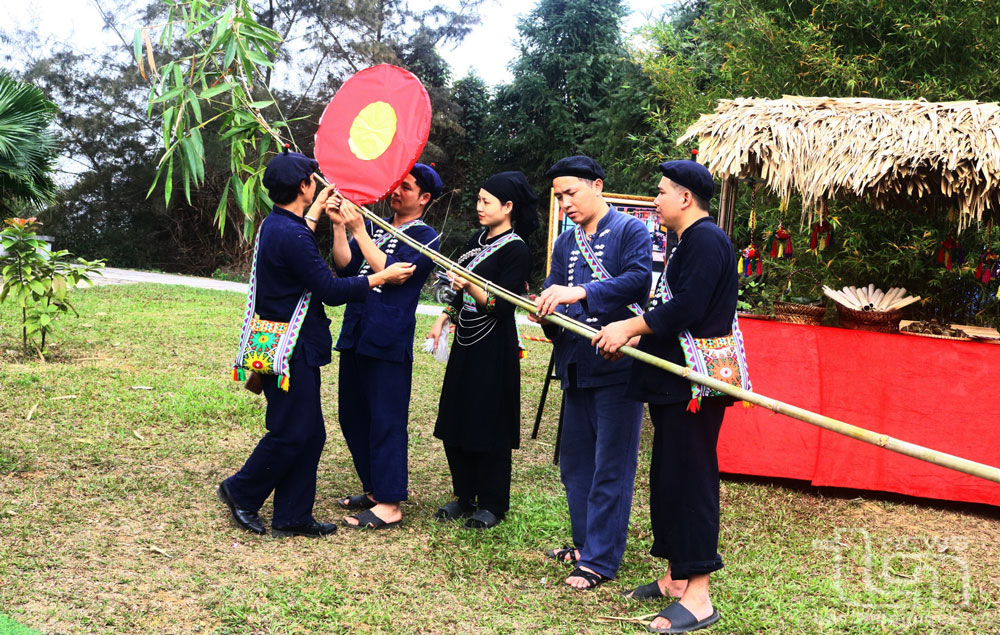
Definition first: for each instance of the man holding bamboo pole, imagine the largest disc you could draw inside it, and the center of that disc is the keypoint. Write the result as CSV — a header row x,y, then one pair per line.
x,y
601,271
696,296
376,347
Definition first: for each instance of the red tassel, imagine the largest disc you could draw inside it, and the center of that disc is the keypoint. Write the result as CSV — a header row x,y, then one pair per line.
x,y
940,257
694,405
774,247
788,248
814,238
986,276
947,261
758,266
979,271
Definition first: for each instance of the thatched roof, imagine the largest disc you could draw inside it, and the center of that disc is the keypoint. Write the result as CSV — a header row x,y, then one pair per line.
x,y
820,147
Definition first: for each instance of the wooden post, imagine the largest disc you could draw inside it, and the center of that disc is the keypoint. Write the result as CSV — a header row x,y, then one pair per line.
x,y
727,200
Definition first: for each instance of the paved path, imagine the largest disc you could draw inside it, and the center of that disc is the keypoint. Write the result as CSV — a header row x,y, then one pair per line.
x,y
128,276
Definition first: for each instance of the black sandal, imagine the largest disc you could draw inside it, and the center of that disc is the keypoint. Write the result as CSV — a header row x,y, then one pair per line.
x,y
593,580
368,520
453,510
560,555
361,501
482,519
649,591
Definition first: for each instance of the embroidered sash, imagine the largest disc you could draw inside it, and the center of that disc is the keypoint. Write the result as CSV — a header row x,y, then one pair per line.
x,y
384,238
722,358
468,302
600,272
266,347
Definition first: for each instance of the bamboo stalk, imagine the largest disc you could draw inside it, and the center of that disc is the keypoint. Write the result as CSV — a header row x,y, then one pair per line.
x,y
936,457
904,302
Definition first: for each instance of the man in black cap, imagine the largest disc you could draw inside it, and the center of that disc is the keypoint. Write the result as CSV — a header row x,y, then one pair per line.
x,y
289,263
684,469
376,347
600,272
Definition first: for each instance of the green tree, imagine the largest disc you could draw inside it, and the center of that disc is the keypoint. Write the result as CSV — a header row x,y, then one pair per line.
x,y
937,50
26,146
574,89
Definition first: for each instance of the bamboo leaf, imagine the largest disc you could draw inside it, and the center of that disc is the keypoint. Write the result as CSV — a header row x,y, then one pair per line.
x,y
149,53
259,58
168,184
195,106
230,53
260,104
220,211
212,91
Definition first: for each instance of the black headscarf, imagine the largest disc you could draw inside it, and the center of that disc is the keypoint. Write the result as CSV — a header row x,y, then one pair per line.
x,y
514,187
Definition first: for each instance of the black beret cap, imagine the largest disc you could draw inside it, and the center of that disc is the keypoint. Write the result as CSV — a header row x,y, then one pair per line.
x,y
692,175
427,178
578,166
288,169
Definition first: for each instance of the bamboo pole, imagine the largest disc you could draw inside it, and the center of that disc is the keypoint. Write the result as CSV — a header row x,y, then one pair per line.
x,y
912,450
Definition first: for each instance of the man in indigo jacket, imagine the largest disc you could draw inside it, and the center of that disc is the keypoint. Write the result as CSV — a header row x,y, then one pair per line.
x,y
600,272
684,468
289,262
376,347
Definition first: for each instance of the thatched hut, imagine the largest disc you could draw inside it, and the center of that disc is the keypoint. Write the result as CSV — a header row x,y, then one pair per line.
x,y
890,152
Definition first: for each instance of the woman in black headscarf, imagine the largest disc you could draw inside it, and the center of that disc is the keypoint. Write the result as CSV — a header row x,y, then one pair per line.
x,y
479,414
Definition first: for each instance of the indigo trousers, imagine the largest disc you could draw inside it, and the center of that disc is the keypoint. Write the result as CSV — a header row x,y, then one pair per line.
x,y
285,459
684,486
374,397
597,459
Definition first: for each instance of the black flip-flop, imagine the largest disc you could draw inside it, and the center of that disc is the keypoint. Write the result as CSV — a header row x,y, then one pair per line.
x,y
482,519
361,501
682,620
452,511
560,554
593,580
649,591
368,520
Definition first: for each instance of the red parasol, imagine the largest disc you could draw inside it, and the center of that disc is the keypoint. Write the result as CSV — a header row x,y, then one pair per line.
x,y
373,131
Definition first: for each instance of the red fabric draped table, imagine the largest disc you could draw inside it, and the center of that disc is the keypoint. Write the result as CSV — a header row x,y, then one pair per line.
x,y
940,394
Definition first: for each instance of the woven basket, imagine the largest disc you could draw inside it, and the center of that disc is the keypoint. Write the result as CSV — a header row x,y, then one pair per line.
x,y
799,313
878,321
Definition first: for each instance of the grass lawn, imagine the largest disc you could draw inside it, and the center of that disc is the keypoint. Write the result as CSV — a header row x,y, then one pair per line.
x,y
110,453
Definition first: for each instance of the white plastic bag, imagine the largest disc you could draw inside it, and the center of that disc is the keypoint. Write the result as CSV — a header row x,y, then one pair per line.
x,y
440,352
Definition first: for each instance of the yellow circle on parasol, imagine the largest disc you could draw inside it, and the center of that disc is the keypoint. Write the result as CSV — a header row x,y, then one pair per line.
x,y
372,131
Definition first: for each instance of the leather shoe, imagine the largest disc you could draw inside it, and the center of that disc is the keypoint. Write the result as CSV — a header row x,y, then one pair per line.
x,y
315,529
243,518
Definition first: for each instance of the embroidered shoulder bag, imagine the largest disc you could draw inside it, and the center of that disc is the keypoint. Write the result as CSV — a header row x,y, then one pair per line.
x,y
722,358
266,347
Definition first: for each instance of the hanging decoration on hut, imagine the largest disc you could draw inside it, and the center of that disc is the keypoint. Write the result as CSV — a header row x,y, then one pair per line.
x,y
750,257
987,260
948,252
781,243
822,235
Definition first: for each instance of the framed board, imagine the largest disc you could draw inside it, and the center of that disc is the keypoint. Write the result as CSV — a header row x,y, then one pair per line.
x,y
639,206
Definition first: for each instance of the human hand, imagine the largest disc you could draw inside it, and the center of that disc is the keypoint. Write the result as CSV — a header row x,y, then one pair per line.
x,y
353,218
555,295
332,208
537,320
319,205
437,329
458,283
397,272
612,337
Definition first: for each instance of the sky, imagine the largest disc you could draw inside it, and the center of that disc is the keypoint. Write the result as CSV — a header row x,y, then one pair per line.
x,y
78,23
